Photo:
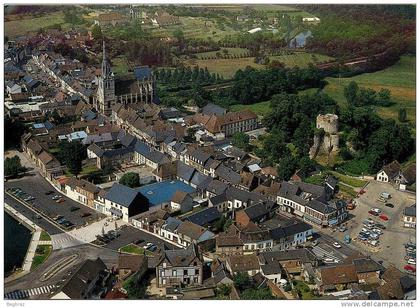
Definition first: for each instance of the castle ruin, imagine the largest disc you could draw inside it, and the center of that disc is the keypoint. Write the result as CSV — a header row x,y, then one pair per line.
x,y
326,139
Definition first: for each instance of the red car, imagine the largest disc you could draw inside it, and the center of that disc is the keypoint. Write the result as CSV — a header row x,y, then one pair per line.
x,y
410,268
374,213
362,191
384,217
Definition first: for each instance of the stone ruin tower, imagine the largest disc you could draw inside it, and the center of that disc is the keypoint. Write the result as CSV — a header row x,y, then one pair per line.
x,y
328,140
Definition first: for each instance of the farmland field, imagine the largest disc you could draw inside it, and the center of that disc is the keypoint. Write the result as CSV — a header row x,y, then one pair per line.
x,y
228,67
30,24
400,79
231,51
260,109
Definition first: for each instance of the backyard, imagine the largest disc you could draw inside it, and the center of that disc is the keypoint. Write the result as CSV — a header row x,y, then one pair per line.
x,y
136,250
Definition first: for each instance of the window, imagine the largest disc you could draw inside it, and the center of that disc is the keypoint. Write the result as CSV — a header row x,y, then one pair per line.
x,y
173,272
197,271
185,272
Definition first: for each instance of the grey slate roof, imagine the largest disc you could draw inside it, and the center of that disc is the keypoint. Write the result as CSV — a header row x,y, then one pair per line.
x,y
205,216
259,210
181,257
296,228
217,187
184,171
78,284
211,109
122,195
410,211
228,174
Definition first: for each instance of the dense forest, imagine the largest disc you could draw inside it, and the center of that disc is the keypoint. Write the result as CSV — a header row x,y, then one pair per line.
x,y
362,30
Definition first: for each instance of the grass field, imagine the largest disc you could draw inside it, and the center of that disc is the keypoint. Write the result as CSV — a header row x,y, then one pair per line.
x,y
30,24
260,109
400,79
231,51
349,180
228,67
196,27
44,236
134,249
301,59
43,252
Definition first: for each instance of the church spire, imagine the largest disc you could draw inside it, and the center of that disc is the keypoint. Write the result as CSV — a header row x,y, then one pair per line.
x,y
106,68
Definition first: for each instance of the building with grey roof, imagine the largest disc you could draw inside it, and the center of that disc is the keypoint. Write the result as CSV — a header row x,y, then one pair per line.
x,y
124,202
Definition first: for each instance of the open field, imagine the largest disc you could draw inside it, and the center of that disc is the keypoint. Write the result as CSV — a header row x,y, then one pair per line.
x,y
400,79
231,51
195,27
260,109
228,67
29,24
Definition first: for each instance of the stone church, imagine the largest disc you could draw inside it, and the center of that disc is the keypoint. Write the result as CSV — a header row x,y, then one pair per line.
x,y
138,86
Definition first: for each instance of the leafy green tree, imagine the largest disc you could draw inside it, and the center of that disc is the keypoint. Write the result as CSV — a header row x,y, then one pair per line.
x,y
135,290
223,291
306,165
178,34
384,97
130,179
12,166
97,32
241,280
13,131
72,155
402,115
351,92
287,167
241,140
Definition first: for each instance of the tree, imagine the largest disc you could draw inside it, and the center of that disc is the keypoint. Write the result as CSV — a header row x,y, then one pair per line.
x,y
223,291
351,92
241,280
286,167
178,34
241,140
130,179
402,115
72,155
97,32
12,166
13,131
384,97
135,290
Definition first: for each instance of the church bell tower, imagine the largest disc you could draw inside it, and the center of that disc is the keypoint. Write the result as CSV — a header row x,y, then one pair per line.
x,y
106,87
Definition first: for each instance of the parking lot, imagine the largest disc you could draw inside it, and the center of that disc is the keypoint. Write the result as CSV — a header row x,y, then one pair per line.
x,y
390,246
35,186
129,234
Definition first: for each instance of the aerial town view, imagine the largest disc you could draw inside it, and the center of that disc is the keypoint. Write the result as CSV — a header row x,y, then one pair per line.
x,y
209,151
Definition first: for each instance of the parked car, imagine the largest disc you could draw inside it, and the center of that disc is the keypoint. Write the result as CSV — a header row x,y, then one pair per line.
x,y
389,205
373,213
61,220
374,236
342,229
336,245
152,248
61,200
86,214
58,217
375,209
147,245
56,197
380,226
410,268
373,243
330,260
384,217
377,231
411,261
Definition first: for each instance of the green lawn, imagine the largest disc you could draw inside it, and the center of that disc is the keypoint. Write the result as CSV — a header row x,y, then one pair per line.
x,y
119,65
260,109
89,169
349,180
228,67
29,24
400,79
43,252
44,236
301,59
134,249
346,191
231,51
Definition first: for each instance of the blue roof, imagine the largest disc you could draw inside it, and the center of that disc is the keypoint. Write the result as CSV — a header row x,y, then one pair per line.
x,y
121,194
162,192
142,72
48,125
38,125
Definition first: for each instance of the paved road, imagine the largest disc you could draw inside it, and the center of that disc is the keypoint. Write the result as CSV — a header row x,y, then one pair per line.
x,y
36,186
32,280
31,214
